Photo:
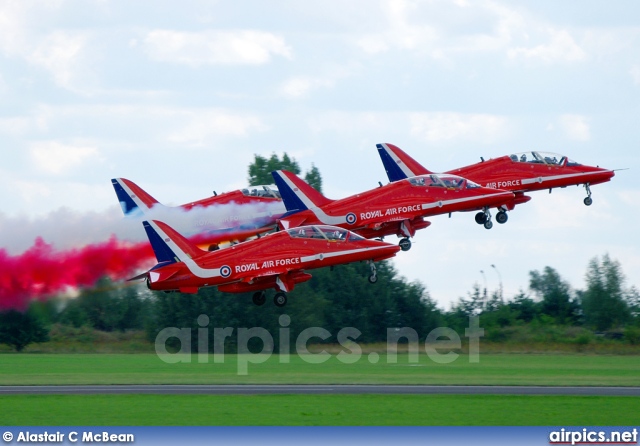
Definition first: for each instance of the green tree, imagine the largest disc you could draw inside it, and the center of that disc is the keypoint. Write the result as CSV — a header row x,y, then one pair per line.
x,y
261,168
603,302
314,178
555,295
19,329
526,308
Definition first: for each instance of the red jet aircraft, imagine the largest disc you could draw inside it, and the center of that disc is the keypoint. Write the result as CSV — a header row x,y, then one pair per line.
x,y
277,260
519,173
397,208
230,216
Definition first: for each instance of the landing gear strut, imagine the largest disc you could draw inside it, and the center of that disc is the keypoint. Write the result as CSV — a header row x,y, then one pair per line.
x,y
373,278
484,218
405,244
259,298
588,200
280,299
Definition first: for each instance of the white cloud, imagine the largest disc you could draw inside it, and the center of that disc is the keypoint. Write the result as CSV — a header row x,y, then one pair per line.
x,y
243,47
300,87
58,53
635,74
401,33
57,158
444,126
560,48
200,126
575,127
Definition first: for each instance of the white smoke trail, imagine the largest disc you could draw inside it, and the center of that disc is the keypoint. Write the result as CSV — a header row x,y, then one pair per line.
x,y
66,228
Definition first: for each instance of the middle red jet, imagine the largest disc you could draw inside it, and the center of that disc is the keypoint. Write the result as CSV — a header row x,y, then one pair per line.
x,y
396,208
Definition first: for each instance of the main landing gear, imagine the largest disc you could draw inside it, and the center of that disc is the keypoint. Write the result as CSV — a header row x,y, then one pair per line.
x,y
280,299
373,278
259,298
405,244
484,217
588,201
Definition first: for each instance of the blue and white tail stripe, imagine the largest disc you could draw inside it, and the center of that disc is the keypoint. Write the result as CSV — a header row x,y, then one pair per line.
x,y
163,252
168,251
296,201
395,168
127,198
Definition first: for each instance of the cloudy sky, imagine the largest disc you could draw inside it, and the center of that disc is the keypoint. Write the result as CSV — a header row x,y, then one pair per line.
x,y
179,96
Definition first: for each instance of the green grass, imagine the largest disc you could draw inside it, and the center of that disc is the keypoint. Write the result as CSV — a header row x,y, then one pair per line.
x,y
331,410
493,369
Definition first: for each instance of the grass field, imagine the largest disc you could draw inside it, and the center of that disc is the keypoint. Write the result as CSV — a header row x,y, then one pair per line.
x,y
493,369
498,369
333,410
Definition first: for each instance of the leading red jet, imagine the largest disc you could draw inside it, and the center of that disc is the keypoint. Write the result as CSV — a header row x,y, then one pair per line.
x,y
394,209
519,173
230,216
277,260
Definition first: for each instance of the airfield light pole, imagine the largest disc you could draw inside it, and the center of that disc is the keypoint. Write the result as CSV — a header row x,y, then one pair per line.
x,y
499,278
484,302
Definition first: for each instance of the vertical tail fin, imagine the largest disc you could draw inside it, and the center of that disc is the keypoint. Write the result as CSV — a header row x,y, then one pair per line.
x,y
168,245
296,193
398,164
132,198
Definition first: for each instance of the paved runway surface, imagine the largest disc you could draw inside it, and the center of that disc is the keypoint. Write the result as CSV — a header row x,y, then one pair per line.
x,y
315,390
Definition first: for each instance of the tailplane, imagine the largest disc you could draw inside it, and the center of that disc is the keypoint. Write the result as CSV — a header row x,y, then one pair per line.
x,y
296,193
398,164
132,198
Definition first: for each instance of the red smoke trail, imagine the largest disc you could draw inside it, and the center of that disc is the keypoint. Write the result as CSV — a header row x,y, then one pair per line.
x,y
41,272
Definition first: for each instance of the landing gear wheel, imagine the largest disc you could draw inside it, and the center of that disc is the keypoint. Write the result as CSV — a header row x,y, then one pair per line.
x,y
502,217
280,299
588,201
481,218
488,224
373,278
259,298
405,244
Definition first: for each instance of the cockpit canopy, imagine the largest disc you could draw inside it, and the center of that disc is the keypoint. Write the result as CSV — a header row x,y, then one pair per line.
x,y
330,233
270,191
442,180
542,158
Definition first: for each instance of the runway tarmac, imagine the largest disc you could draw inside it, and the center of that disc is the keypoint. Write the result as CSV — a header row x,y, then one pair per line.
x,y
315,390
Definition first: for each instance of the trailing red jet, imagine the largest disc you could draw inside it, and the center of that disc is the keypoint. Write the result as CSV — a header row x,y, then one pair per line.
x,y
231,216
277,260
519,173
397,208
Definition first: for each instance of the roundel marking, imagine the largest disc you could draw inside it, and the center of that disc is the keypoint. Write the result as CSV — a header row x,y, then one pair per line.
x,y
351,218
225,271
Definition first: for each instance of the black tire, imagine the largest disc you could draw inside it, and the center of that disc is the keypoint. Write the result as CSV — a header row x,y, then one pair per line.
x,y
502,217
588,201
405,244
280,299
259,298
488,224
373,279
481,218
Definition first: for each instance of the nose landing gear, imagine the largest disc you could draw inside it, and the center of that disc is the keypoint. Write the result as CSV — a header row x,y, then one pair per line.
x,y
588,201
373,278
